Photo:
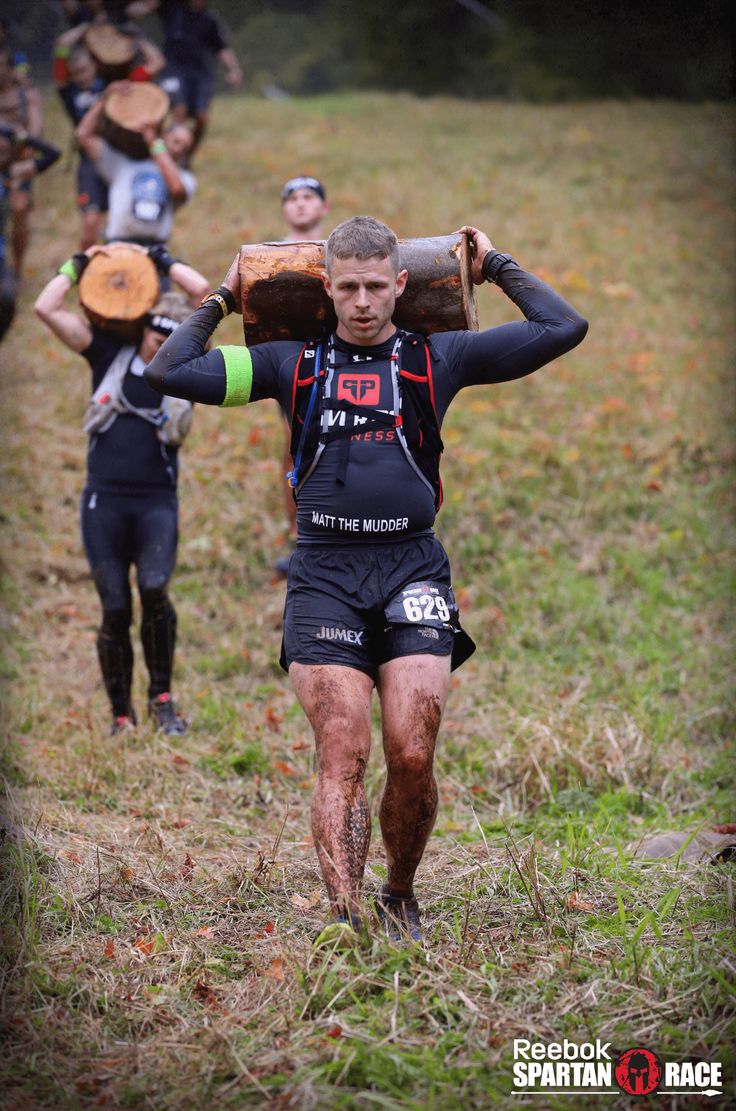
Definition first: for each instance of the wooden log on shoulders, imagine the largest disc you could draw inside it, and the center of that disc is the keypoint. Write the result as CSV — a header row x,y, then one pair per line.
x,y
118,288
114,51
283,296
126,110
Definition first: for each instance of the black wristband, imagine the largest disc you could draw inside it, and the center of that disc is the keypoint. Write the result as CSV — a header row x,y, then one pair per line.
x,y
493,263
227,297
159,254
81,262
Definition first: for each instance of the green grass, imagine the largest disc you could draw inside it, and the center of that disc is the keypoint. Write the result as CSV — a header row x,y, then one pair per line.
x,y
161,896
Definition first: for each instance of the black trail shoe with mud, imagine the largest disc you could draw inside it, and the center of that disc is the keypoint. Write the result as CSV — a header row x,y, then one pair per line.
x,y
399,917
162,710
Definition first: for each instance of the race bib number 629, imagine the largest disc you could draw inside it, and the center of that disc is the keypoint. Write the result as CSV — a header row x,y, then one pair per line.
x,y
423,603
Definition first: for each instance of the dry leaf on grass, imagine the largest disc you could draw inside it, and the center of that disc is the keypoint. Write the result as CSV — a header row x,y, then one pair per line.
x,y
306,902
275,969
574,902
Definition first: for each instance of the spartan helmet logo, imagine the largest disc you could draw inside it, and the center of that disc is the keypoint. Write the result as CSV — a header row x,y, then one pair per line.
x,y
638,1072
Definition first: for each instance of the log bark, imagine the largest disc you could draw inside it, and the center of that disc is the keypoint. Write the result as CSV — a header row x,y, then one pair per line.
x,y
126,110
283,296
117,289
113,50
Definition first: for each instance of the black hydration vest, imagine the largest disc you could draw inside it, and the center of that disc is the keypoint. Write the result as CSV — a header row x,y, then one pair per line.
x,y
413,416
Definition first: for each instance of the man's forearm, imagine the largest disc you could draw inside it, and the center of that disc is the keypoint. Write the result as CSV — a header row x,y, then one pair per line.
x,y
182,369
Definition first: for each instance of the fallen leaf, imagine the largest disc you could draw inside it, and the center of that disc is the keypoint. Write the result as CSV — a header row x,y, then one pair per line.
x,y
285,769
144,945
187,869
273,720
109,950
620,290
204,994
334,1032
71,855
614,405
205,931
181,761
275,969
574,902
127,874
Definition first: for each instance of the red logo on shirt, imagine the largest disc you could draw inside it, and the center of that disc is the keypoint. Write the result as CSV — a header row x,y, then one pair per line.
x,y
361,389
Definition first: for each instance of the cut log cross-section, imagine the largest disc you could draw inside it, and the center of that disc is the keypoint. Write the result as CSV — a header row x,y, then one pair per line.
x,y
283,296
113,50
126,110
117,289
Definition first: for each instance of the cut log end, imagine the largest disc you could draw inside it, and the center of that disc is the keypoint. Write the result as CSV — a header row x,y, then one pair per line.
x,y
113,50
125,113
117,289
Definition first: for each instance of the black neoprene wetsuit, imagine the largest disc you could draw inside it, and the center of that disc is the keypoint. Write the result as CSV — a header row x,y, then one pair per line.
x,y
129,515
382,497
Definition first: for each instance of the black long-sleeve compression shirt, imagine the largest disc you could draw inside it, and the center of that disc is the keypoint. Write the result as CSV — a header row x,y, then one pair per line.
x,y
368,489
237,375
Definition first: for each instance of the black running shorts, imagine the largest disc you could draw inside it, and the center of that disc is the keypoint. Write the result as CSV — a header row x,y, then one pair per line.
x,y
337,596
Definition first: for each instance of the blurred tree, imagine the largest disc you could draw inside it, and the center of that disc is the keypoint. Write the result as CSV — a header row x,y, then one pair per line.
x,y
527,49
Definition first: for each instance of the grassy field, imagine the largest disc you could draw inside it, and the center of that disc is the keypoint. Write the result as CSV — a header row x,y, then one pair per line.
x,y
161,895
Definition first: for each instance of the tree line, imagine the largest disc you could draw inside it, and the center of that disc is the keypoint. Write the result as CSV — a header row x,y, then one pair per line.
x,y
511,49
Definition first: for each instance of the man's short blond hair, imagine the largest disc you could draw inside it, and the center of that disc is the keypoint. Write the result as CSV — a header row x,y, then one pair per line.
x,y
362,237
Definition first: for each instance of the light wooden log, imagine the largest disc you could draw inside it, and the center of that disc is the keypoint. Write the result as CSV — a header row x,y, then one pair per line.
x,y
126,110
112,49
283,296
117,289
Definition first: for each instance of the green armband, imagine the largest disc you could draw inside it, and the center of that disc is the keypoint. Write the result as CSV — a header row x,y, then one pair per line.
x,y
75,266
69,270
62,52
239,375
158,146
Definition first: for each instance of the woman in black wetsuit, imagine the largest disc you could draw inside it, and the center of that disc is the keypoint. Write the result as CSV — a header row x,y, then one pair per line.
x,y
129,511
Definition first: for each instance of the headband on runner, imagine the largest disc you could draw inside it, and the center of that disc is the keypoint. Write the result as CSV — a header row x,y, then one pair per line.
x,y
164,325
303,183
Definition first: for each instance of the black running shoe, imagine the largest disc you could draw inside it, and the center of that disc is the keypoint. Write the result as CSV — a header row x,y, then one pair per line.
x,y
162,710
399,917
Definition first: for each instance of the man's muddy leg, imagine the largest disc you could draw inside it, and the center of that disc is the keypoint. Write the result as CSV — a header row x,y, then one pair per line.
x,y
337,701
413,691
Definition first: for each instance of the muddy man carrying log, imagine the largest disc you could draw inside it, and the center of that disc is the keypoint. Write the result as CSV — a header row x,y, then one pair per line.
x,y
369,598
